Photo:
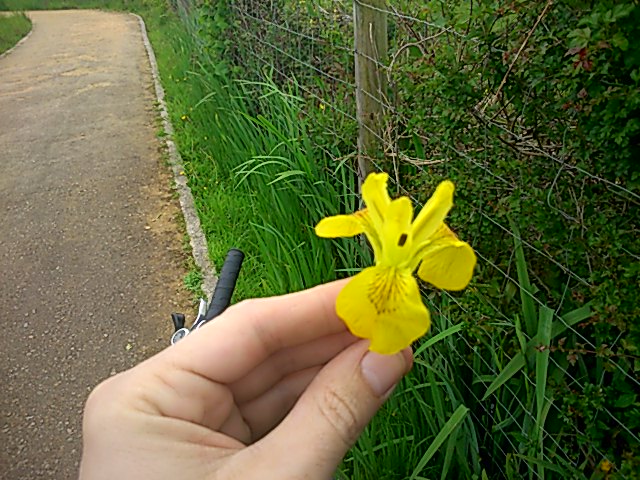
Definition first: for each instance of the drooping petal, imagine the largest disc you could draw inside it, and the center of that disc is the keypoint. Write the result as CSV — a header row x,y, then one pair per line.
x,y
448,262
396,233
432,215
384,305
340,226
376,197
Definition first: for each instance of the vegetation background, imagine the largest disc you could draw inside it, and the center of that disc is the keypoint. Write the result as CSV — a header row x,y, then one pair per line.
x,y
534,111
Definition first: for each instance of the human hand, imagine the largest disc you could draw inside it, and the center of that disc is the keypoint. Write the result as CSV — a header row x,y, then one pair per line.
x,y
273,389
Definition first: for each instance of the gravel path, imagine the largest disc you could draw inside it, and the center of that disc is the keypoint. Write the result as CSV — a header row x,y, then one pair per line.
x,y
90,252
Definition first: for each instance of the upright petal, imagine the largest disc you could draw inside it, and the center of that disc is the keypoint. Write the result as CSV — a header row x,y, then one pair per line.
x,y
376,197
396,233
433,213
448,262
384,305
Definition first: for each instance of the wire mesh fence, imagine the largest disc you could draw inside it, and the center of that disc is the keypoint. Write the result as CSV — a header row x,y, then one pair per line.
x,y
501,97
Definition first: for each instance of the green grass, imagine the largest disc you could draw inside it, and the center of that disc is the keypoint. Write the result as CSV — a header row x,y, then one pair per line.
x,y
259,185
12,29
222,211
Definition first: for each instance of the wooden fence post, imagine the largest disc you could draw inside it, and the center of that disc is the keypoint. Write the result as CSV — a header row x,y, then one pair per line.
x,y
371,44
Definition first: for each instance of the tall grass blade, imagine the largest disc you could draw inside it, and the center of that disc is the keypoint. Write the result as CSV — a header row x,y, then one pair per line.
x,y
542,367
570,319
438,337
556,328
548,465
436,395
526,289
449,428
513,367
542,357
448,455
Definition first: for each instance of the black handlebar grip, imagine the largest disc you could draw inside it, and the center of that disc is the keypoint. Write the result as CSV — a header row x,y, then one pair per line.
x,y
226,284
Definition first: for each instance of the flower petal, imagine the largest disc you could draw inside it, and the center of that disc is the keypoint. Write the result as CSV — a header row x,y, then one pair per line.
x,y
396,234
376,197
432,215
448,262
340,226
385,306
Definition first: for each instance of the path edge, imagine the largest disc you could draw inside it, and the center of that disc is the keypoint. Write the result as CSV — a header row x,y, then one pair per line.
x,y
194,228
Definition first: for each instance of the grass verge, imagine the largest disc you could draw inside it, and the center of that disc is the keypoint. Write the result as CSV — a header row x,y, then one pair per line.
x,y
13,27
257,182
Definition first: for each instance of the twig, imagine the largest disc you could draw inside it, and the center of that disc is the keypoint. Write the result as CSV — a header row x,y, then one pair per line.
x,y
515,59
417,44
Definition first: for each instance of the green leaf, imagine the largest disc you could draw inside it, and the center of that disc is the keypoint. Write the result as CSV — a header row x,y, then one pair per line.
x,y
518,360
417,143
436,395
526,290
626,400
570,319
450,427
548,465
436,338
284,175
513,367
448,456
620,41
542,357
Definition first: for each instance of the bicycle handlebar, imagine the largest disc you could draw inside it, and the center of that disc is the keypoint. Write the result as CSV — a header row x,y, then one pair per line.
x,y
220,300
225,285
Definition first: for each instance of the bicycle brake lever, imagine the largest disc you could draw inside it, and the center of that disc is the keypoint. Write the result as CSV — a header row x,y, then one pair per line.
x,y
183,331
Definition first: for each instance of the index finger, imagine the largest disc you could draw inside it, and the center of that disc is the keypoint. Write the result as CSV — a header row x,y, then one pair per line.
x,y
232,345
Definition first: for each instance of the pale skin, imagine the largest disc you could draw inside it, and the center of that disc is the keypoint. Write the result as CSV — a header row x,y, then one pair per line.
x,y
272,389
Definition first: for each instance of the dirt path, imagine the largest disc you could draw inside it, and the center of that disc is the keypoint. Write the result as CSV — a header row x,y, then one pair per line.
x,y
90,255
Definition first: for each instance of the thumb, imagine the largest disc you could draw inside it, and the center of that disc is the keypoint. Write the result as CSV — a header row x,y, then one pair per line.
x,y
330,415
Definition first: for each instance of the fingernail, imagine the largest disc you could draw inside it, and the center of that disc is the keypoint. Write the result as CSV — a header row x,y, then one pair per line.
x,y
382,372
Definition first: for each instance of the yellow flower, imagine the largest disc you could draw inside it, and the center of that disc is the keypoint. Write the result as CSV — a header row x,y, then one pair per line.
x,y
606,466
383,303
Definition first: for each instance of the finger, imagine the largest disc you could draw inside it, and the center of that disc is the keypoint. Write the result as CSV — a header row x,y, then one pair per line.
x,y
236,427
268,410
287,361
332,412
178,392
228,348
159,386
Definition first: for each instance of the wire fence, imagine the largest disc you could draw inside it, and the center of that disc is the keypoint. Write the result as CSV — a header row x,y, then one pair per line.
x,y
462,91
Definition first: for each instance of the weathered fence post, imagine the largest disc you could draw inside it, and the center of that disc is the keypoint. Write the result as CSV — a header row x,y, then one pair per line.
x,y
371,43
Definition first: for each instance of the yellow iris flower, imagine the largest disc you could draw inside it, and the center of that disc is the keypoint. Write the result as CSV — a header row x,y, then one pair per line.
x,y
383,303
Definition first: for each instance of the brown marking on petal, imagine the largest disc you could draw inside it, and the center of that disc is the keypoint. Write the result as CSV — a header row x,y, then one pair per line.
x,y
385,291
402,240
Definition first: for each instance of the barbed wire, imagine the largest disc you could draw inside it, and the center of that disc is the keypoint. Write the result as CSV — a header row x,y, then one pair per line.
x,y
395,13
480,212
385,104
